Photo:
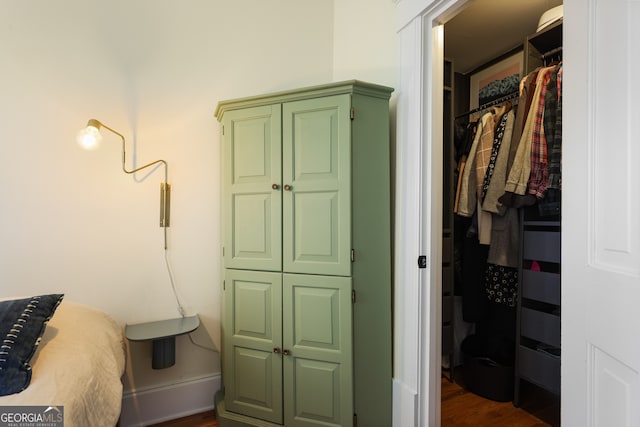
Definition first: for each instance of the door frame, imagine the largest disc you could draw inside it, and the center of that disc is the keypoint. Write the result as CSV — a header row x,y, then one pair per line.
x,y
416,387
419,171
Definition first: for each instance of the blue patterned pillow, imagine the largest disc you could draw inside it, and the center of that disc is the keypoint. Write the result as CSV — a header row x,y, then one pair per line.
x,y
22,323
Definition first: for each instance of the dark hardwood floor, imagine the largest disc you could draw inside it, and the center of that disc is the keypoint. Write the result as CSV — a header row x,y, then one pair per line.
x,y
459,408
462,408
205,419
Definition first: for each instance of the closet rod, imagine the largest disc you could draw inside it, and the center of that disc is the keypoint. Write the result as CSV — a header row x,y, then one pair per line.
x,y
512,95
551,52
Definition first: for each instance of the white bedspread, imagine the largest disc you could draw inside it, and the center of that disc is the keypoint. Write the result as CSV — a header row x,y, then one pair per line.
x,y
79,365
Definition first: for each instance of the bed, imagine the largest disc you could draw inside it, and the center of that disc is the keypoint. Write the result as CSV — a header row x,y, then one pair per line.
x,y
76,365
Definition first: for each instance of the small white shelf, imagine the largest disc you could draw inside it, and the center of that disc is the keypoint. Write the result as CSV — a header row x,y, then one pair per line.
x,y
163,334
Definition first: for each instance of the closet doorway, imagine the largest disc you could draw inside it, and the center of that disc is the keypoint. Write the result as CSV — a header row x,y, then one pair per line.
x,y
482,38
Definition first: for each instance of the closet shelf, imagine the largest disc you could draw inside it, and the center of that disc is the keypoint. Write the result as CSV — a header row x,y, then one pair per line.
x,y
548,38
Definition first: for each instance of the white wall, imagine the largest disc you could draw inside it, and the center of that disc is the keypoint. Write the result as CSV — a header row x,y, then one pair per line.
x,y
71,220
365,46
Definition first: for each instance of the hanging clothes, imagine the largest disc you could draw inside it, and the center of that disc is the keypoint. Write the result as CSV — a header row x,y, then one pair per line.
x,y
466,202
513,161
500,134
518,179
497,175
505,239
555,149
539,174
491,135
464,142
479,168
501,284
527,89
475,304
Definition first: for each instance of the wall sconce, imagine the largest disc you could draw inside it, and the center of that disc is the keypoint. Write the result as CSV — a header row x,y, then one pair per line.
x,y
162,333
90,137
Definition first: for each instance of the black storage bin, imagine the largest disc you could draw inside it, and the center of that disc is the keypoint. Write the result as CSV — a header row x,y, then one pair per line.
x,y
483,375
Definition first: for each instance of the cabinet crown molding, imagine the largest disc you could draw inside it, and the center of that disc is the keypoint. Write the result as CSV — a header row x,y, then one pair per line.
x,y
337,88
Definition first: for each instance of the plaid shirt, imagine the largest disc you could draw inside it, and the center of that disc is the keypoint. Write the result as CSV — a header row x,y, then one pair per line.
x,y
555,147
539,177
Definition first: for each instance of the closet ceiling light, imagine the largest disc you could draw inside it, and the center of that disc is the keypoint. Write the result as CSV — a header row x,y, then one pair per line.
x,y
549,17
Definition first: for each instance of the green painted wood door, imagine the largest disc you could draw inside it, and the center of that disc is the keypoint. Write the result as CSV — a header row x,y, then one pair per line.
x,y
251,188
318,372
316,158
252,329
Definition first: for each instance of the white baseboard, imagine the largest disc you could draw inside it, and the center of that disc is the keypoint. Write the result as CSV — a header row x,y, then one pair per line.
x,y
157,404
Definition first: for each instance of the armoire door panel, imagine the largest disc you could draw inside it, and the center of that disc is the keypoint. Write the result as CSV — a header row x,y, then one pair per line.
x,y
316,317
251,168
252,231
315,378
317,331
316,238
316,153
253,393
315,141
253,309
252,329
253,151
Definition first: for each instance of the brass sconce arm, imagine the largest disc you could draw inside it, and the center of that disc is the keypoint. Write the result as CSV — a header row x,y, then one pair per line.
x,y
90,137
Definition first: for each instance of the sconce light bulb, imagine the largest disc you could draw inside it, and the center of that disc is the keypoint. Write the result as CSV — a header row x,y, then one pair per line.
x,y
89,138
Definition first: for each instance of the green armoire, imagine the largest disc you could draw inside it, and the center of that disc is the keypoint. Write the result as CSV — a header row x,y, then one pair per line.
x,y
306,213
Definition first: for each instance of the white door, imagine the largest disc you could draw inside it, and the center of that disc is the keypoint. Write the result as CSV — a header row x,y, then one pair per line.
x,y
601,214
